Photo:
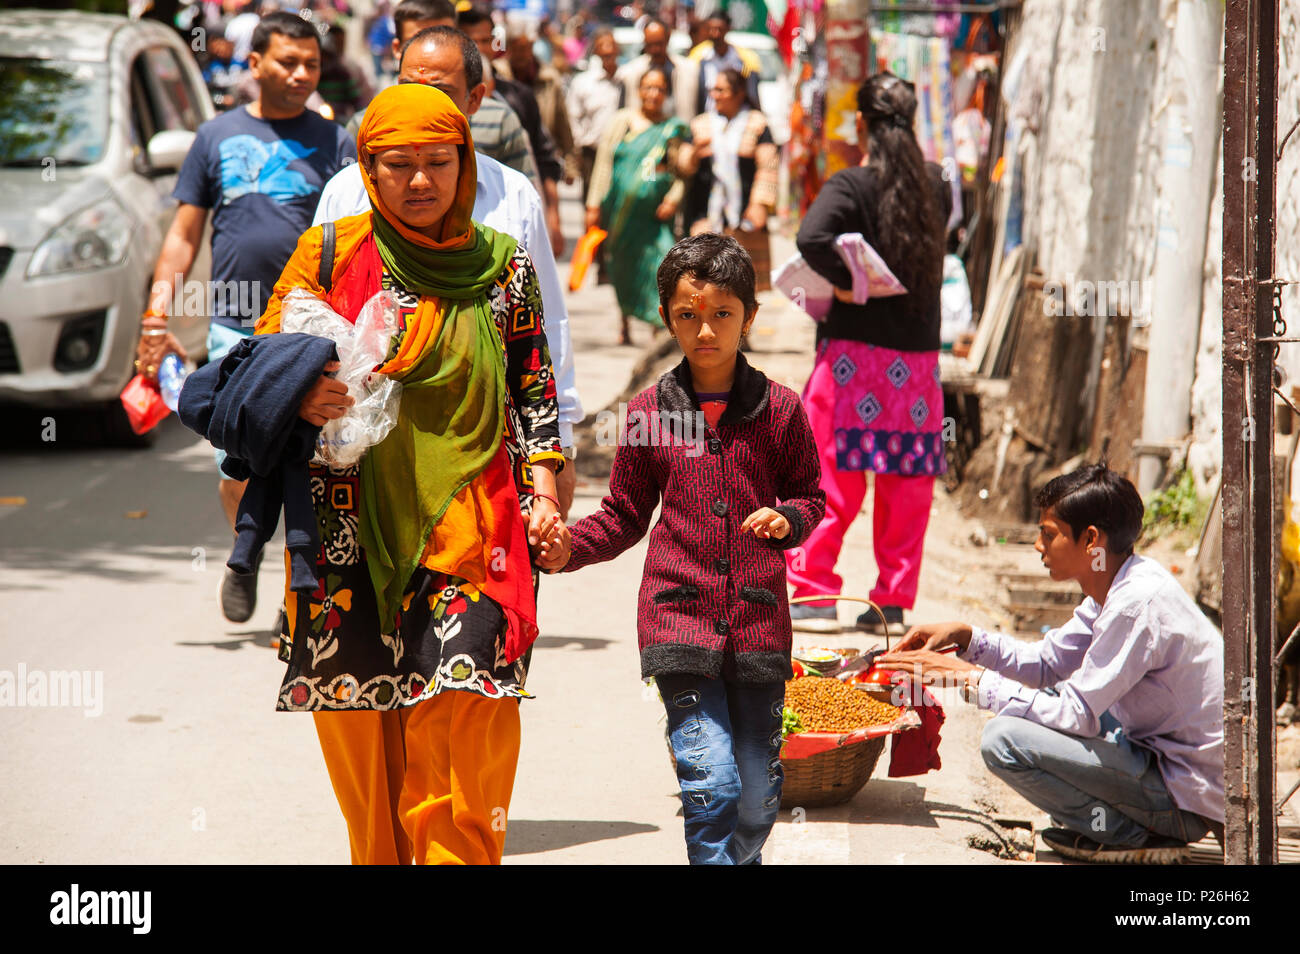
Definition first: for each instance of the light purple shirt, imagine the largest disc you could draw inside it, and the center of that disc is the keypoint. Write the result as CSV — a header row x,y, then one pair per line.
x,y
1147,655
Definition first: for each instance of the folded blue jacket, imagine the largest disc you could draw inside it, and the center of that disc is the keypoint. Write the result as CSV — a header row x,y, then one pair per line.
x,y
247,405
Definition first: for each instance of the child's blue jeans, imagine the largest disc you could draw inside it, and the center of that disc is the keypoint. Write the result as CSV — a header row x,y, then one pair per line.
x,y
726,739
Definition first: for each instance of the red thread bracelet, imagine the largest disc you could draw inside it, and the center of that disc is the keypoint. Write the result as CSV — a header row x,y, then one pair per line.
x,y
547,497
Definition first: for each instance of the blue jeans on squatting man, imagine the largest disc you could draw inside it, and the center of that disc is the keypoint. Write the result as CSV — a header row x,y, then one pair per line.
x,y
726,740
1106,788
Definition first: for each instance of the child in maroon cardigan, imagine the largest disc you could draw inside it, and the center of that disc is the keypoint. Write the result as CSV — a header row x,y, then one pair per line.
x,y
733,459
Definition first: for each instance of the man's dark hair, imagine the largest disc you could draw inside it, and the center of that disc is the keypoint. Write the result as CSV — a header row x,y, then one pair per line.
x,y
1096,496
285,24
473,15
421,11
720,14
443,36
708,257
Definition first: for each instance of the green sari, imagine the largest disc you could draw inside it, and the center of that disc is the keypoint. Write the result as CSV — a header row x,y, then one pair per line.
x,y
637,240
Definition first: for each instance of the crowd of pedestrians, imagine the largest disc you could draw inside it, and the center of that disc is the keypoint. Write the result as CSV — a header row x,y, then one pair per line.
x,y
549,107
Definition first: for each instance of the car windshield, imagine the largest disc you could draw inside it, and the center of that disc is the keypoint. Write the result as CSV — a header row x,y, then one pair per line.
x,y
52,111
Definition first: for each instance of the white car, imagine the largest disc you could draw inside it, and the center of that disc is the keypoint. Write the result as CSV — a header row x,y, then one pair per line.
x,y
774,95
97,114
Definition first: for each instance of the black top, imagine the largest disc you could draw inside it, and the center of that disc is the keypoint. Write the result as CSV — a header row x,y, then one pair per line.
x,y
847,203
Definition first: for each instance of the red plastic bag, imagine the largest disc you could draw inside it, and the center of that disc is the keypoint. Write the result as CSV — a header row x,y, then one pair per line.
x,y
583,255
144,404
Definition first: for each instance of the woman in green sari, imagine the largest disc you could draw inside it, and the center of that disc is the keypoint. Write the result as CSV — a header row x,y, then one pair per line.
x,y
636,186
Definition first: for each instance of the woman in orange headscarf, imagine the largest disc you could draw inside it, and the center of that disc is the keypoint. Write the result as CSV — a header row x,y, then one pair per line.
x,y
412,652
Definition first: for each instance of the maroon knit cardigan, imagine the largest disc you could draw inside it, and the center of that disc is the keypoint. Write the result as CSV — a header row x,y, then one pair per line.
x,y
712,600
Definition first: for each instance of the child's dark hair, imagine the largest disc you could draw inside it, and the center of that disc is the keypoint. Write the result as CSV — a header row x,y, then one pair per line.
x,y
1096,496
708,257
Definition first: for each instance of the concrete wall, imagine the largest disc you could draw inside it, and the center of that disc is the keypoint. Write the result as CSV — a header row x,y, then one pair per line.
x,y
1121,163
1206,453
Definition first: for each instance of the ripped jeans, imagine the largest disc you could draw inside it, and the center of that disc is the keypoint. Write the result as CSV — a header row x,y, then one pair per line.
x,y
726,739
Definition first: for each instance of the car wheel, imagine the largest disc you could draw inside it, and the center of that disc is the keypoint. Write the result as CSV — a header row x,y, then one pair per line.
x,y
111,427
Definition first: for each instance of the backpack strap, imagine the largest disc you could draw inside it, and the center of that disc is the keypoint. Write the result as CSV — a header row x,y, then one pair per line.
x,y
326,276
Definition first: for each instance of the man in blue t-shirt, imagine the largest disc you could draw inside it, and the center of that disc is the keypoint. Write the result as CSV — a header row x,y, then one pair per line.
x,y
259,169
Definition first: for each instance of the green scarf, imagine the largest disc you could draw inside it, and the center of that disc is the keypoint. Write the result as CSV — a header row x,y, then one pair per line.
x,y
453,403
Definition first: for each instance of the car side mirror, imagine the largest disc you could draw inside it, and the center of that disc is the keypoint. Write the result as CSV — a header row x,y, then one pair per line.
x,y
167,150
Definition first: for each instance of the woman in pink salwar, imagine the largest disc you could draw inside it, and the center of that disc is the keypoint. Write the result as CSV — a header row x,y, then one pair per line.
x,y
874,400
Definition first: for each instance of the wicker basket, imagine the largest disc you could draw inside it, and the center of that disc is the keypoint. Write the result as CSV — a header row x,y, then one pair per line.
x,y
831,777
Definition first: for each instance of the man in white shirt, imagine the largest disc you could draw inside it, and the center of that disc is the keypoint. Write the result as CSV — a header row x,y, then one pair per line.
x,y
506,201
682,72
594,97
239,31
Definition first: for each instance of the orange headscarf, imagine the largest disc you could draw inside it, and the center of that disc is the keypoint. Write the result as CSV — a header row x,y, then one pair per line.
x,y
412,114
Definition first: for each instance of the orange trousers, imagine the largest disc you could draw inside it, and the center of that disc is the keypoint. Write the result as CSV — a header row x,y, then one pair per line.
x,y
429,782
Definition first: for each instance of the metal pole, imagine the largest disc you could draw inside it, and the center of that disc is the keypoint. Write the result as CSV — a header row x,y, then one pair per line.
x,y
1238,216
1263,846
1249,572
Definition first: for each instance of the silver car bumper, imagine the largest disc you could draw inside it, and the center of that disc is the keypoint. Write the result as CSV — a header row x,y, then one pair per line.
x,y
36,312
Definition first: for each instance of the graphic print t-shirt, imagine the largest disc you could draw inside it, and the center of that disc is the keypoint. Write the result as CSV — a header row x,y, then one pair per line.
x,y
261,179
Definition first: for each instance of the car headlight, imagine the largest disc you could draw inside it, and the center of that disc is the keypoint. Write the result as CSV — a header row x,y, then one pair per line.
x,y
95,237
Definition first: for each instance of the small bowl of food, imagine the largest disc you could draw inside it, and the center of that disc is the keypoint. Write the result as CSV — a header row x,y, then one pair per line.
x,y
818,661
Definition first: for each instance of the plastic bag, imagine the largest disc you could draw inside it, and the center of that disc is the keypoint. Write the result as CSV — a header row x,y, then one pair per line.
x,y
584,253
362,346
144,405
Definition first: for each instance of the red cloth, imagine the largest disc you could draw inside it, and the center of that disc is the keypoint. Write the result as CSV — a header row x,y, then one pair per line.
x,y
917,751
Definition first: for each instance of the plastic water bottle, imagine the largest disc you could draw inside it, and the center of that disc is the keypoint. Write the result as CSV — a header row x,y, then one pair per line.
x,y
171,376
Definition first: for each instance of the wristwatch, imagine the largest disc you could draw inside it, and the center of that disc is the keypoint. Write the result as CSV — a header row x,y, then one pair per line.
x,y
570,453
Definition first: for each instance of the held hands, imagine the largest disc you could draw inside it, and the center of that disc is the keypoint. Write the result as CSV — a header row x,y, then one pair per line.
x,y
765,523
844,295
327,400
548,537
666,211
